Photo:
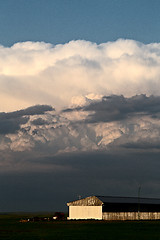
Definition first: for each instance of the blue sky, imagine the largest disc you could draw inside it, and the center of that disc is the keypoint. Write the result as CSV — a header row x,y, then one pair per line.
x,y
59,21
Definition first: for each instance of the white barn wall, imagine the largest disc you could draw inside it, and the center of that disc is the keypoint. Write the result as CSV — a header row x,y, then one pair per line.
x,y
85,212
131,215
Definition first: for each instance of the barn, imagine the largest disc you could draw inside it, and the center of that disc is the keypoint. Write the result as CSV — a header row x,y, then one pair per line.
x,y
114,208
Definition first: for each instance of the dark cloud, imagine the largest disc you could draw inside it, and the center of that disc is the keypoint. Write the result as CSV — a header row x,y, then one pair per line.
x,y
142,145
63,178
11,122
72,109
44,177
39,121
114,108
12,125
34,110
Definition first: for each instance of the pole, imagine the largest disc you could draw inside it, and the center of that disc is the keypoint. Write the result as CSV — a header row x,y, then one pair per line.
x,y
139,214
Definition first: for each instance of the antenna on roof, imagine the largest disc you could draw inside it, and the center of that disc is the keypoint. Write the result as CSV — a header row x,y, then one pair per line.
x,y
79,197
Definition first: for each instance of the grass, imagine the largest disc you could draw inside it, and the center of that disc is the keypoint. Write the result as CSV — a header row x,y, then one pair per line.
x,y
11,228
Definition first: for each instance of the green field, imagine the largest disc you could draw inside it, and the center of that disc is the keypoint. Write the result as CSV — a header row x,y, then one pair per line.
x,y
11,228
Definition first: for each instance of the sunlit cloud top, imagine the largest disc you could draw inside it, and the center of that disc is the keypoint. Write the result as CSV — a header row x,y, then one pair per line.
x,y
73,73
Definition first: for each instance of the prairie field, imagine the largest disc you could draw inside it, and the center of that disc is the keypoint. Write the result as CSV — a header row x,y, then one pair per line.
x,y
12,228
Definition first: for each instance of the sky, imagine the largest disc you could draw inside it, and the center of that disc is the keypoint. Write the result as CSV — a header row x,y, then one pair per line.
x,y
79,101
65,20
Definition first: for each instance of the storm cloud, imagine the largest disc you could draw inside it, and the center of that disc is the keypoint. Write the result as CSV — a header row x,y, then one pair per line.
x,y
76,72
114,108
101,138
11,122
52,157
112,122
51,182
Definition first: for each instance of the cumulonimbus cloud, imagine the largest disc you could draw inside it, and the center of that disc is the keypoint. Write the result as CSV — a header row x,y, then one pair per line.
x,y
112,124
40,73
114,121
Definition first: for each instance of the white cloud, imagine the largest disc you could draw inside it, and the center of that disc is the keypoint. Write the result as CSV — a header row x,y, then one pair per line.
x,y
40,73
67,133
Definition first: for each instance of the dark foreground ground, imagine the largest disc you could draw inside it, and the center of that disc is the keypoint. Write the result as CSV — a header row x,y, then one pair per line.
x,y
11,228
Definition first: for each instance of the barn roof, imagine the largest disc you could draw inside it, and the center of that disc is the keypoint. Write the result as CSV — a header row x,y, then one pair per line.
x,y
102,200
88,201
136,200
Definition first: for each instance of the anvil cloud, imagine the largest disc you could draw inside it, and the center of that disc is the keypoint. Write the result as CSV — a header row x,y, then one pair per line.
x,y
70,74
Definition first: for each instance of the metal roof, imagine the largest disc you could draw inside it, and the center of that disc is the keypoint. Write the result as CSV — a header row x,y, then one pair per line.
x,y
136,200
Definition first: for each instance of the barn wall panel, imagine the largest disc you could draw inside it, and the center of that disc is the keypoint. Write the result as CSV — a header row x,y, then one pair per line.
x,y
85,212
130,215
